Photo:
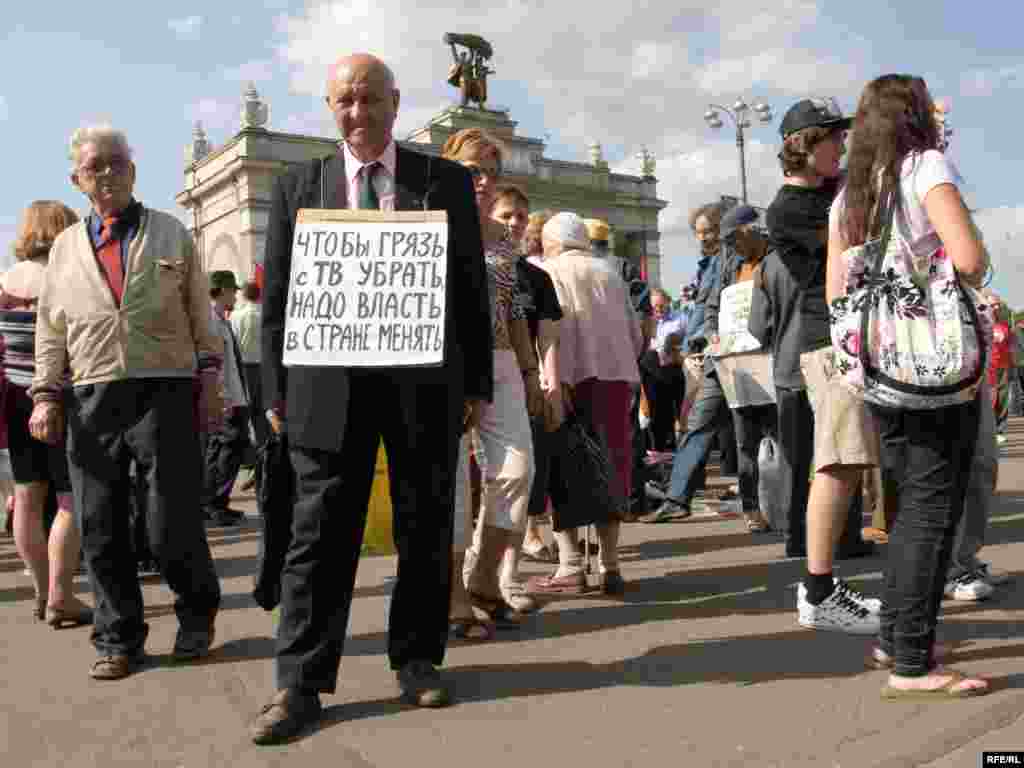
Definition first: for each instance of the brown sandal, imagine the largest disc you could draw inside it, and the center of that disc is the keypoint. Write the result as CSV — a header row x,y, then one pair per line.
x,y
472,629
946,692
59,617
503,615
114,666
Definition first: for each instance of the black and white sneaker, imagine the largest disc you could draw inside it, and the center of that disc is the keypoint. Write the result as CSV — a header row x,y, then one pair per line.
x,y
841,611
873,604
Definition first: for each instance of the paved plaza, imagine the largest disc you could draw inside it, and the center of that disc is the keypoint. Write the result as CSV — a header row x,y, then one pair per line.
x,y
702,664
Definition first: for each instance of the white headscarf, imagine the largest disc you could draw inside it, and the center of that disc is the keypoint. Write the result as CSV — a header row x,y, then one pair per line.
x,y
569,230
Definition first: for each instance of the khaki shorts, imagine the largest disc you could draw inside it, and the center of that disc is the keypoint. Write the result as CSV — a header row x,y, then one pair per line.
x,y
845,433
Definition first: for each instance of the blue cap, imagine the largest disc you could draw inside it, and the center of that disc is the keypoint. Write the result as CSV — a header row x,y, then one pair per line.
x,y
735,218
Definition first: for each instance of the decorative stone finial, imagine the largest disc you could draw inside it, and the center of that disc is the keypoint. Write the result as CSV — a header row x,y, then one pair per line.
x,y
647,163
199,148
254,112
596,154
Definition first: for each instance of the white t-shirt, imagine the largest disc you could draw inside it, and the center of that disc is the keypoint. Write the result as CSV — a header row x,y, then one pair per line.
x,y
922,172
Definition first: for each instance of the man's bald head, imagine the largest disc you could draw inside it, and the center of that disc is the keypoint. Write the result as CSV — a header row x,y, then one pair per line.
x,y
363,66
362,96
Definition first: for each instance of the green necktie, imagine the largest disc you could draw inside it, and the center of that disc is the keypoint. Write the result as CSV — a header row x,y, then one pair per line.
x,y
368,199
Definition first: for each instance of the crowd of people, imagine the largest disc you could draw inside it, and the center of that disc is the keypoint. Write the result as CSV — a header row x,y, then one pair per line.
x,y
564,374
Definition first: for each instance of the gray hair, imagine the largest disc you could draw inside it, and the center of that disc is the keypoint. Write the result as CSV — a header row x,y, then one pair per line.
x,y
569,230
102,133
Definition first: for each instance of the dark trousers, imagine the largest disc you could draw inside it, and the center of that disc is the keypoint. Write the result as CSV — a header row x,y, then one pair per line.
x,y
796,454
225,452
257,410
707,416
153,422
752,423
642,440
728,460
929,454
420,425
544,444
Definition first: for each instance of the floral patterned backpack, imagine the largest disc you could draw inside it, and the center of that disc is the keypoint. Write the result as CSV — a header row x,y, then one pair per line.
x,y
908,334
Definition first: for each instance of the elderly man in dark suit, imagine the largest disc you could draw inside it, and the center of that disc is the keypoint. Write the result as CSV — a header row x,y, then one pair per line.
x,y
335,417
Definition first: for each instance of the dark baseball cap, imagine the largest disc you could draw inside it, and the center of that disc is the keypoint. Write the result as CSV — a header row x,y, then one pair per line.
x,y
737,217
224,280
814,113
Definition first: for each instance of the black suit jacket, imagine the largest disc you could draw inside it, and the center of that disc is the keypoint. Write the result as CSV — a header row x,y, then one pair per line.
x,y
317,397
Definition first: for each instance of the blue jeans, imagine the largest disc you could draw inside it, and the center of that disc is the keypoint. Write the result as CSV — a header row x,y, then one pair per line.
x,y
710,412
930,470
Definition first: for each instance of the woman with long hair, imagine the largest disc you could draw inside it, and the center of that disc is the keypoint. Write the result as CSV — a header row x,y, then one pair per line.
x,y
894,156
490,565
52,559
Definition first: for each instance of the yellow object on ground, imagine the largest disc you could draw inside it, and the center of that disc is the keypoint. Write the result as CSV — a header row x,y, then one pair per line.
x,y
378,538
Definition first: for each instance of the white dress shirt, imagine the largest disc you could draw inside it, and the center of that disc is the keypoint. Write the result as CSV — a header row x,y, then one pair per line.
x,y
383,181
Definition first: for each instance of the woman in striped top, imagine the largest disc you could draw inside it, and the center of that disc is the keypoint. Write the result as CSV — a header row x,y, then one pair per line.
x,y
36,465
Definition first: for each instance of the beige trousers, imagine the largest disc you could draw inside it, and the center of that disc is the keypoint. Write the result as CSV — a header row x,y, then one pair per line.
x,y
504,448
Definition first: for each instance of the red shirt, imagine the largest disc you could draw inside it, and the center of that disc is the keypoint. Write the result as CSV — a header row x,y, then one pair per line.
x,y
1001,353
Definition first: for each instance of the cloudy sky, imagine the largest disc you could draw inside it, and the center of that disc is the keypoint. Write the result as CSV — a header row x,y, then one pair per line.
x,y
633,74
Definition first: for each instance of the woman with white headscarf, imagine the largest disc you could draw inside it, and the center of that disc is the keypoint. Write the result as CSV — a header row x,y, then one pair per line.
x,y
600,340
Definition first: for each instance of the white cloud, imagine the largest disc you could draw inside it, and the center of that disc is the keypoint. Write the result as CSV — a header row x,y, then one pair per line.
x,y
764,22
985,82
631,75
312,123
5,110
693,171
256,71
187,28
1003,229
794,70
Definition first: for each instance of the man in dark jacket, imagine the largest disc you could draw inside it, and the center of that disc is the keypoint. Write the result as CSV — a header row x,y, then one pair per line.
x,y
336,416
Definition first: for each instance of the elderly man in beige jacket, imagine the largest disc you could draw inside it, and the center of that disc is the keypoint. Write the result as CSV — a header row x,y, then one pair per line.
x,y
123,308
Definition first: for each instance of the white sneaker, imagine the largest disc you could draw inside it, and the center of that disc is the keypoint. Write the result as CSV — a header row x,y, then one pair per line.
x,y
839,612
873,604
993,576
969,588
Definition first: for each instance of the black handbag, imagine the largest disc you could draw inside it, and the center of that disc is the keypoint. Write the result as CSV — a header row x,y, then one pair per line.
x,y
584,482
276,501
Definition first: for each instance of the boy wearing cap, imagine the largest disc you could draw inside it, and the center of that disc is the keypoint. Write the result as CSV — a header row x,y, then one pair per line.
x,y
812,405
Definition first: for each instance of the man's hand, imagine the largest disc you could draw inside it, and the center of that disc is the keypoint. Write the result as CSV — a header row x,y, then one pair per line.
x,y
534,396
46,424
554,411
471,410
275,417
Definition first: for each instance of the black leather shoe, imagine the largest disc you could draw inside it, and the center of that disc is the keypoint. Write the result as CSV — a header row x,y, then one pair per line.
x,y
421,684
289,712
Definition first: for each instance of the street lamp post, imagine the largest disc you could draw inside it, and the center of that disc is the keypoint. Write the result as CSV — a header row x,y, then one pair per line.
x,y
740,114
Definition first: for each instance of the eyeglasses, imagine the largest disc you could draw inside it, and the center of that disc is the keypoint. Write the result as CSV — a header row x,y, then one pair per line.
x,y
100,166
477,171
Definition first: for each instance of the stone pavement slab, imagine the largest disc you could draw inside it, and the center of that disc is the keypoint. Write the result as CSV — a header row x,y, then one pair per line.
x,y
702,664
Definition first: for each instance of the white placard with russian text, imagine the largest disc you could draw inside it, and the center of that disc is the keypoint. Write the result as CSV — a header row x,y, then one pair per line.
x,y
367,289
